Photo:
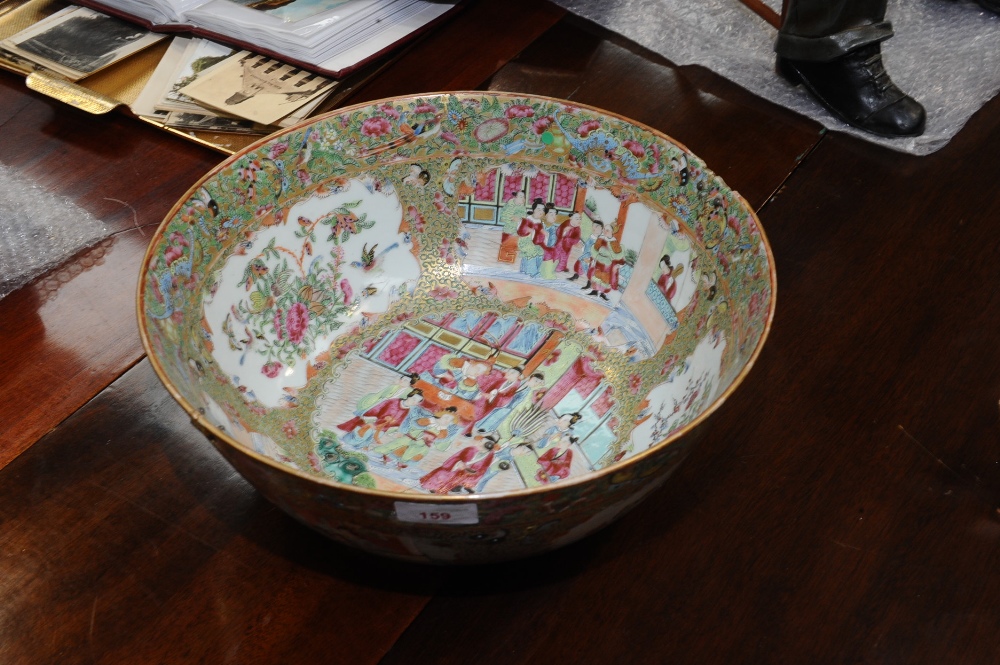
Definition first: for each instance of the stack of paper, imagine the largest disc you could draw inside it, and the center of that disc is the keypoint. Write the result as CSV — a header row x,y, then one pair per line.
x,y
201,85
330,35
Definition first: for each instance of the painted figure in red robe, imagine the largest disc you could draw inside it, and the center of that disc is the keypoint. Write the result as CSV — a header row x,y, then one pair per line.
x,y
608,259
567,236
667,282
500,390
461,471
382,417
556,461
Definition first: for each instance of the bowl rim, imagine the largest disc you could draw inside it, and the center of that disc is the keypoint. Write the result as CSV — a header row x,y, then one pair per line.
x,y
212,432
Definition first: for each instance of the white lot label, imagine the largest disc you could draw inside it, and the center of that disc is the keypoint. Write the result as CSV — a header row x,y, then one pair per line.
x,y
437,513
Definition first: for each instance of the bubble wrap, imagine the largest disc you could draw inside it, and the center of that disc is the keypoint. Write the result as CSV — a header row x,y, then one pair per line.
x,y
945,54
38,231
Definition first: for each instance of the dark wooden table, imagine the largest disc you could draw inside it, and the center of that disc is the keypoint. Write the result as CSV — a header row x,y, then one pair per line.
x,y
842,507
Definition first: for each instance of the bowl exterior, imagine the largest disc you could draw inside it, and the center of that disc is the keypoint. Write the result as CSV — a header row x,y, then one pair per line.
x,y
506,528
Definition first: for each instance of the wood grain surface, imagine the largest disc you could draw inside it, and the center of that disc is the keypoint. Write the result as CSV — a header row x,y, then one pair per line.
x,y
72,332
841,507
125,538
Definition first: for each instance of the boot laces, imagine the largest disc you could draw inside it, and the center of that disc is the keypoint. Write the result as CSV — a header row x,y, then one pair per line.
x,y
876,68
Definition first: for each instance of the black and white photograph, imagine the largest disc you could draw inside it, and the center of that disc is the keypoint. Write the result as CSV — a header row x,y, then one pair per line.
x,y
77,42
211,123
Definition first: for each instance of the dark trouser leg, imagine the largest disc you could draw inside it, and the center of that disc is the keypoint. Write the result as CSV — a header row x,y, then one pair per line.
x,y
833,47
823,30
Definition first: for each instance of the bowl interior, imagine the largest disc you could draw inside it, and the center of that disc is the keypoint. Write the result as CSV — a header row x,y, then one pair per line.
x,y
469,293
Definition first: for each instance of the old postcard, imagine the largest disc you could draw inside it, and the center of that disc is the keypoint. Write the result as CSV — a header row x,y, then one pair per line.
x,y
256,87
199,56
213,123
77,42
160,81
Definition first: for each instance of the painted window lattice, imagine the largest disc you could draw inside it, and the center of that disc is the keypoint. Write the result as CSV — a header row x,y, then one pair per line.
x,y
492,189
656,296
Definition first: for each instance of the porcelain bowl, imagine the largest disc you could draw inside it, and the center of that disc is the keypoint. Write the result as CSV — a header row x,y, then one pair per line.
x,y
457,327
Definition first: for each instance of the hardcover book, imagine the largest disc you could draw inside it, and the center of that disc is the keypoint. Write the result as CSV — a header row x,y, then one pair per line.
x,y
331,37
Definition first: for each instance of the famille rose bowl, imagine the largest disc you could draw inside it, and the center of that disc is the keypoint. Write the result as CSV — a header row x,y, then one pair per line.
x,y
457,327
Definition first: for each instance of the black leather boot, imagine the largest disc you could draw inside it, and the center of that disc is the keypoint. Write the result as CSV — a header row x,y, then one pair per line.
x,y
857,89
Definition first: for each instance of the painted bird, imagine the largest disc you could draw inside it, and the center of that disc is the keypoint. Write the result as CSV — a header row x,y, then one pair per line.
x,y
203,200
679,165
370,260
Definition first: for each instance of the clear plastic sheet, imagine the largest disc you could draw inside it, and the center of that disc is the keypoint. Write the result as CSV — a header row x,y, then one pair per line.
x,y
945,53
38,231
